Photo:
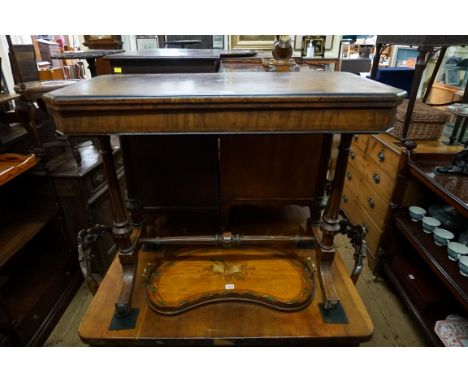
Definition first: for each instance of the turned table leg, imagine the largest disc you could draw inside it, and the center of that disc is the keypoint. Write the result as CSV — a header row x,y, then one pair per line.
x,y
121,229
319,198
133,201
330,226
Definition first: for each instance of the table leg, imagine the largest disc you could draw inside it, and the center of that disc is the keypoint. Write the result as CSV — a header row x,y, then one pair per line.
x,y
319,198
92,66
434,73
121,228
456,127
418,72
463,130
330,226
379,47
133,201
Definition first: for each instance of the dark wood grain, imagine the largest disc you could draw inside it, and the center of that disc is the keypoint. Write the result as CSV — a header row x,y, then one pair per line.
x,y
225,102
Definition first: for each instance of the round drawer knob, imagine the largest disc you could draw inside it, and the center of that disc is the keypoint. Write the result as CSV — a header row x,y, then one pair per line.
x,y
349,176
352,155
371,202
99,177
345,198
381,156
355,138
376,178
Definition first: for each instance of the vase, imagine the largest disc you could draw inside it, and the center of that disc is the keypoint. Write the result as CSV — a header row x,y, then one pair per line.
x,y
282,49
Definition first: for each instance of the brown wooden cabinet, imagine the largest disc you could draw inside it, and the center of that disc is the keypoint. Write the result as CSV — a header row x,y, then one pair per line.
x,y
82,191
427,281
370,182
39,273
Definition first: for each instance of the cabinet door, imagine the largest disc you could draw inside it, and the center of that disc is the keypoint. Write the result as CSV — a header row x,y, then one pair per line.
x,y
269,167
175,172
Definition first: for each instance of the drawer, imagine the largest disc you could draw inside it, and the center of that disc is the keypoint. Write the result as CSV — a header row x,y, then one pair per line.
x,y
96,178
360,142
375,206
385,158
382,183
357,215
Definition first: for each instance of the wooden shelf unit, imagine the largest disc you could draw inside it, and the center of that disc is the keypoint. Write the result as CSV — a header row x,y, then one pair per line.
x,y
22,230
453,190
39,273
427,281
436,257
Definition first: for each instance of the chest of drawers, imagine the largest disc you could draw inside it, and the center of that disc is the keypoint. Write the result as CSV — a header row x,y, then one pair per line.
x,y
370,181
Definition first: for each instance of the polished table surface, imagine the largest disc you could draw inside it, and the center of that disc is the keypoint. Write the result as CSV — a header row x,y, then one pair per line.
x,y
226,102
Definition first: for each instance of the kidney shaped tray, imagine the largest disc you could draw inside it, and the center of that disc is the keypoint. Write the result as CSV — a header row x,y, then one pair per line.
x,y
192,277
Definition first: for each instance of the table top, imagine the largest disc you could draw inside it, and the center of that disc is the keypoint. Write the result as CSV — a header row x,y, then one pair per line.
x,y
229,87
424,40
84,54
220,323
166,54
7,97
228,102
460,109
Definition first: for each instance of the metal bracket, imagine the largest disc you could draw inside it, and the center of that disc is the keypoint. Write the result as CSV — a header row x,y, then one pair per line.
x,y
86,241
357,235
334,315
127,321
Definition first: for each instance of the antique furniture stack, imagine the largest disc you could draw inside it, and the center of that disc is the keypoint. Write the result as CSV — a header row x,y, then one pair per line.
x,y
370,182
402,174
227,104
376,160
42,210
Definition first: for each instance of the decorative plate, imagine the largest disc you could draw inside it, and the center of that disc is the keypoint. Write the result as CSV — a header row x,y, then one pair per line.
x,y
193,277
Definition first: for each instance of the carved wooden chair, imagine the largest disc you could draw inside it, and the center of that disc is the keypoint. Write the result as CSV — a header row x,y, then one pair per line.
x,y
30,88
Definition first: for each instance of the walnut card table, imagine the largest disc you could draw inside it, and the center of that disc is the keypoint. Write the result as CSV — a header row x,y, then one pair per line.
x,y
229,103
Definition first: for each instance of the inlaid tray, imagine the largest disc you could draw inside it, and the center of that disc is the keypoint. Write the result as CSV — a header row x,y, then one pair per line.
x,y
196,276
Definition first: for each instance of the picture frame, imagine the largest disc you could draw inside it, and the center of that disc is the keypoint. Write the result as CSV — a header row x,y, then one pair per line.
x,y
329,40
317,41
147,42
260,42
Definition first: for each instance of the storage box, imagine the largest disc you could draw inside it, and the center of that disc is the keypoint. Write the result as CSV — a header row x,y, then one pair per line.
x,y
427,122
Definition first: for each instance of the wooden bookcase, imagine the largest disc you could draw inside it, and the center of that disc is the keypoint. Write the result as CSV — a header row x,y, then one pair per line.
x,y
429,283
38,272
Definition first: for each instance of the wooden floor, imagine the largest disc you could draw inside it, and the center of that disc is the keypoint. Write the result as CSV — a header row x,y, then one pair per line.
x,y
393,325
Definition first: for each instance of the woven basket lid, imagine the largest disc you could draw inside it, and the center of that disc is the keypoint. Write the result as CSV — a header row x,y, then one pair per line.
x,y
422,113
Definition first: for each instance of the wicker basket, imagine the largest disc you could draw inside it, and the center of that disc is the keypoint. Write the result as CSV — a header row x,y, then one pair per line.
x,y
427,122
